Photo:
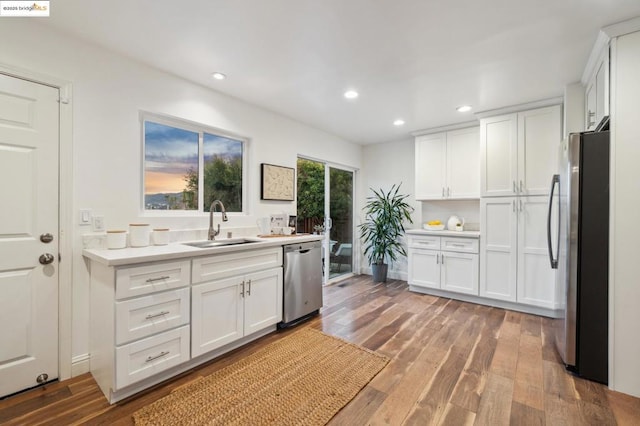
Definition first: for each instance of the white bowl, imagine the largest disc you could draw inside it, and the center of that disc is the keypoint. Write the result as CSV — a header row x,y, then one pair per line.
x,y
433,227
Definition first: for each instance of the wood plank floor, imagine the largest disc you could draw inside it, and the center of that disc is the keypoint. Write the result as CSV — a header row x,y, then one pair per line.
x,y
453,363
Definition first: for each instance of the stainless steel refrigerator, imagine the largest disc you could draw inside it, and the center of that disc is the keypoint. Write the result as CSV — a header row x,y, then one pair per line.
x,y
579,250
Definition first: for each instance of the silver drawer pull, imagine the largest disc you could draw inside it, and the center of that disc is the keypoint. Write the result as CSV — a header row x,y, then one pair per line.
x,y
159,314
151,280
424,242
458,245
249,289
160,355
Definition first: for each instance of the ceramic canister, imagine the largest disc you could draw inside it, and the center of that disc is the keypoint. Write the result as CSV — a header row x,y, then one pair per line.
x,y
160,236
139,234
116,239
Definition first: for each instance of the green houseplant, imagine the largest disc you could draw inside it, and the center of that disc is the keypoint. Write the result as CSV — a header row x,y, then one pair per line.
x,y
385,214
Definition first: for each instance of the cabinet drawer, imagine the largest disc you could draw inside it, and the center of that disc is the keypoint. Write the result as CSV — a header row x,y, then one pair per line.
x,y
144,316
140,280
462,245
238,263
144,358
424,241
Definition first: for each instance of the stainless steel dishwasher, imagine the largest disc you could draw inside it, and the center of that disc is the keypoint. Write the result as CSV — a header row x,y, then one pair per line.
x,y
302,282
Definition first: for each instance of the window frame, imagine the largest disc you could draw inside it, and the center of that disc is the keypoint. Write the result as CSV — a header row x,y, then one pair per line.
x,y
199,128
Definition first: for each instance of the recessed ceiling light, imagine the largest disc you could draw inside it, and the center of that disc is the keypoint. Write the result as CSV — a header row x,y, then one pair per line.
x,y
464,108
218,76
350,94
398,122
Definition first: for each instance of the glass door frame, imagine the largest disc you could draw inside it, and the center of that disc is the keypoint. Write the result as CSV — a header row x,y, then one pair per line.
x,y
355,259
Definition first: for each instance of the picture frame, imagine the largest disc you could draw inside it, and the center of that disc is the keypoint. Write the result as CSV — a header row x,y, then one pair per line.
x,y
277,183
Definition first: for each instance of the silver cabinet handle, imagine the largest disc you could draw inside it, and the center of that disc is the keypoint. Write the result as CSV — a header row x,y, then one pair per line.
x,y
159,314
151,280
437,258
515,188
160,355
242,292
249,289
513,206
443,192
457,245
442,258
521,186
520,205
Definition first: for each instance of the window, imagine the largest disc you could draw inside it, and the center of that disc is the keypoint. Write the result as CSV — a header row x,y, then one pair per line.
x,y
187,166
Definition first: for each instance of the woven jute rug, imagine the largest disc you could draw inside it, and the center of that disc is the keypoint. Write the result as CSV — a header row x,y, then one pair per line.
x,y
302,379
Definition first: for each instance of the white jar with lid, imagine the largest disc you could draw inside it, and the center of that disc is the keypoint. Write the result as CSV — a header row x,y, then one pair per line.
x,y
116,239
139,234
160,236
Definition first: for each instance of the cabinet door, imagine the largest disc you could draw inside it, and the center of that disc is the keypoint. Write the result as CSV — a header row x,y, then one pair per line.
x,y
539,138
424,268
498,248
430,166
217,314
498,155
463,163
262,300
536,279
459,272
602,89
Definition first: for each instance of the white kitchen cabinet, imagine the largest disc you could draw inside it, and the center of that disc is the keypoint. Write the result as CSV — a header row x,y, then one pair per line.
x,y
447,166
519,152
451,263
514,262
228,308
597,92
140,322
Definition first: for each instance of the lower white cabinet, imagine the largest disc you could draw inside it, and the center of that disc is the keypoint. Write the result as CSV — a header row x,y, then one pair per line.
x,y
513,251
226,310
234,295
451,263
150,320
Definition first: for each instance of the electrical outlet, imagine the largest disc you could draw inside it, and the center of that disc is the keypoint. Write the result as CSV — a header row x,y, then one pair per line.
x,y
97,224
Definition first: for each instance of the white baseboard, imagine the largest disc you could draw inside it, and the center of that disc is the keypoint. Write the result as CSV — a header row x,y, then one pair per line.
x,y
393,274
79,365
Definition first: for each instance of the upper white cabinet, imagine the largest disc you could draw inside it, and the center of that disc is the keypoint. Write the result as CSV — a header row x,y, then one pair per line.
x,y
519,152
447,165
596,95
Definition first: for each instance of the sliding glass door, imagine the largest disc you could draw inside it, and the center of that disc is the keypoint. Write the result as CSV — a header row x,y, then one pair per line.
x,y
325,206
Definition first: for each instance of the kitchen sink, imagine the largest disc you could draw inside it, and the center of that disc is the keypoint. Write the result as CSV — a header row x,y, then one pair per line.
x,y
219,243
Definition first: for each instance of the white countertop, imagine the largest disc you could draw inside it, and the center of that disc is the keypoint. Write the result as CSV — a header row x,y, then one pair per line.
x,y
133,255
445,233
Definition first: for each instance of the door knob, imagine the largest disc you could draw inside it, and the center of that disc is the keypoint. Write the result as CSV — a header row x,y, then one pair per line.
x,y
46,238
46,258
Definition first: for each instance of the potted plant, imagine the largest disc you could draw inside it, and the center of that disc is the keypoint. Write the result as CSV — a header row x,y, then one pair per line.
x,y
385,214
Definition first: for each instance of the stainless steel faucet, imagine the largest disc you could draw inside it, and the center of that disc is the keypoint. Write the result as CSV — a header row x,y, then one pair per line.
x,y
214,233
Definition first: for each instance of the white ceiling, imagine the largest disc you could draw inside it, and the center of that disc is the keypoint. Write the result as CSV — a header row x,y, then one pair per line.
x,y
410,59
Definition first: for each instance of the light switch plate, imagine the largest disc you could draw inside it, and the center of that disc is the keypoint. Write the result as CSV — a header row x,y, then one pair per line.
x,y
84,217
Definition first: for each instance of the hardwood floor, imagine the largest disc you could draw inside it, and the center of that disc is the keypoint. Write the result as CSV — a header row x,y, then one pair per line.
x,y
453,363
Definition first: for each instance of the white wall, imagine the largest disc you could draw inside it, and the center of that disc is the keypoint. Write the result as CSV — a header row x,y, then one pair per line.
x,y
624,268
384,165
108,93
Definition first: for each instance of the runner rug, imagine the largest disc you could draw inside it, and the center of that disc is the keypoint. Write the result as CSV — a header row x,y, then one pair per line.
x,y
303,379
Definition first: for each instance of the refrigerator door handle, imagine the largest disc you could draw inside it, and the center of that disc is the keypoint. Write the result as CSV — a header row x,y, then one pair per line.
x,y
554,261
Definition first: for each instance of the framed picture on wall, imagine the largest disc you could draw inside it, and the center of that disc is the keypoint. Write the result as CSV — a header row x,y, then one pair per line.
x,y
277,183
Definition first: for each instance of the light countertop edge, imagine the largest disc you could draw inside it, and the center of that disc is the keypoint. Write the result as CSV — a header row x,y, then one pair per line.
x,y
134,255
445,233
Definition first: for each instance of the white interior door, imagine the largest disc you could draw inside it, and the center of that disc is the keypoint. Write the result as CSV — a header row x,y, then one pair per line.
x,y
29,142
